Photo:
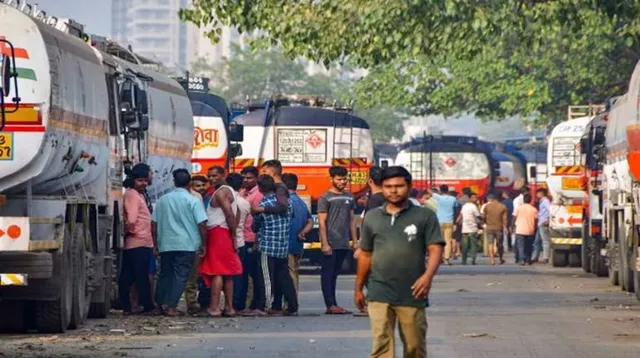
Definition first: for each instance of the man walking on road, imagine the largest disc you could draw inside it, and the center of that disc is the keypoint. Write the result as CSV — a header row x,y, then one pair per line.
x,y
395,242
337,226
495,218
542,241
446,207
469,217
180,229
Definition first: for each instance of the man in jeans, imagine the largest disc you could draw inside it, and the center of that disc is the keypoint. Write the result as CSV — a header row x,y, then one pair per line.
x,y
446,208
273,240
395,241
180,229
525,222
542,241
301,225
251,263
138,245
337,226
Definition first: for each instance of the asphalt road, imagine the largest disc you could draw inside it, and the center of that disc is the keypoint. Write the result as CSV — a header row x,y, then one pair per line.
x,y
476,311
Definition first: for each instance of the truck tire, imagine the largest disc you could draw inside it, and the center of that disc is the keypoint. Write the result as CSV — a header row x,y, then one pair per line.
x,y
80,270
558,258
598,262
626,273
36,265
54,316
586,249
13,317
574,259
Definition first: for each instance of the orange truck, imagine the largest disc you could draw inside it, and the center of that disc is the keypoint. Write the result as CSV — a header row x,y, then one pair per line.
x,y
308,136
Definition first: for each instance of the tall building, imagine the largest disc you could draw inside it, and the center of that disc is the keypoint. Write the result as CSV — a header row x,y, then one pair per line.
x,y
153,29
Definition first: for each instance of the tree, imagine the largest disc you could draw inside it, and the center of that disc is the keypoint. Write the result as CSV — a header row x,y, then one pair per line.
x,y
256,75
495,59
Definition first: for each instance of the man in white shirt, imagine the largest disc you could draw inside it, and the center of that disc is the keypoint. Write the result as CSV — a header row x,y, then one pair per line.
x,y
469,217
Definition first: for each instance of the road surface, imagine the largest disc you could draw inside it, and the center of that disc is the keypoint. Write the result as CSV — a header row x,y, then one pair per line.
x,y
476,311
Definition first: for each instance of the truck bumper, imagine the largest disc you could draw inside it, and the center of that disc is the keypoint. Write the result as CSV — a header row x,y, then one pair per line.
x,y
561,241
17,268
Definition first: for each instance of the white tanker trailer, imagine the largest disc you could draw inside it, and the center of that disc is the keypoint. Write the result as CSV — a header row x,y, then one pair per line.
x,y
85,112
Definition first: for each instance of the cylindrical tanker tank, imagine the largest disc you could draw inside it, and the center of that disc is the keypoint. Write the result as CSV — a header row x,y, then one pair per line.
x,y
59,133
457,161
512,174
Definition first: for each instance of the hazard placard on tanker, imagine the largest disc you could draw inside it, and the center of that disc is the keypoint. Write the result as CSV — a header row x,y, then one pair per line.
x,y
566,151
297,146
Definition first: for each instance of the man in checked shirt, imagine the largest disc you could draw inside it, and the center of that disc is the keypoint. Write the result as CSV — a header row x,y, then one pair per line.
x,y
273,241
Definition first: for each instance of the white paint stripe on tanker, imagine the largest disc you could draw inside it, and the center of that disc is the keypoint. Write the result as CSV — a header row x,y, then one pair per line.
x,y
564,241
13,279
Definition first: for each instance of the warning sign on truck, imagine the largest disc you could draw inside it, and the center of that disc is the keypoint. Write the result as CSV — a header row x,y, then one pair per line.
x,y
297,146
566,151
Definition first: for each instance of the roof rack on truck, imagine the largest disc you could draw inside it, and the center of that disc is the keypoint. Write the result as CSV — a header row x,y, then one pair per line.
x,y
589,110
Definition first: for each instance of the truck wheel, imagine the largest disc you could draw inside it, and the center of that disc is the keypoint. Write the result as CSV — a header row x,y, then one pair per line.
x,y
36,265
574,259
54,316
586,249
598,262
558,258
101,307
13,317
626,274
80,270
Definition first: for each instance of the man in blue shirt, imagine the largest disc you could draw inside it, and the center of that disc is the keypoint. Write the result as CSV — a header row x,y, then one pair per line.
x,y
543,236
179,230
445,213
301,225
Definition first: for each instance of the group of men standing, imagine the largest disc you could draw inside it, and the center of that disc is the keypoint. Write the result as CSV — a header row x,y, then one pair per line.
x,y
240,237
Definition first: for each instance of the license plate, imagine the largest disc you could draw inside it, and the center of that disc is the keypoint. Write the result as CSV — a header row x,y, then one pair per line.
x,y
571,183
6,146
359,177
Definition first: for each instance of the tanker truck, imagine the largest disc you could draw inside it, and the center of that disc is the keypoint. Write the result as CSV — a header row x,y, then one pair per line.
x,y
86,112
566,185
621,189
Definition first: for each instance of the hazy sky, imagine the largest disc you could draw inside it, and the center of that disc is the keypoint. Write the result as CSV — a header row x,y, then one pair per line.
x,y
95,15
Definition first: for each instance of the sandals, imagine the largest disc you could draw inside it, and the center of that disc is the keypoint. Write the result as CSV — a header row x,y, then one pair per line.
x,y
336,310
361,314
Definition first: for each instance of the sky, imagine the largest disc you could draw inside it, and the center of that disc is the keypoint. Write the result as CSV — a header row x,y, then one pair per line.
x,y
95,15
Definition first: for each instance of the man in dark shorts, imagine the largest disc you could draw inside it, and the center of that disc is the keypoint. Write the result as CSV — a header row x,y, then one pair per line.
x,y
337,226
395,242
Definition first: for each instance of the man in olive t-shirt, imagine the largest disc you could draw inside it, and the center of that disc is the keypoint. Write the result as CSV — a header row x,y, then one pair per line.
x,y
394,244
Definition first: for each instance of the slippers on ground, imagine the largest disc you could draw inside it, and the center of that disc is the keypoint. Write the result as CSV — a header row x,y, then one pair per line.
x,y
361,314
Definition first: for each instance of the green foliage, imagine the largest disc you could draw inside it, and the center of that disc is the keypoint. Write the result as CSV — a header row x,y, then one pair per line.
x,y
256,75
495,58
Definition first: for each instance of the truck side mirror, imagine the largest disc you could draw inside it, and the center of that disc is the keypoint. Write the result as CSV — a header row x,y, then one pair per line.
x,y
235,150
6,75
236,132
142,104
600,137
128,115
584,142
